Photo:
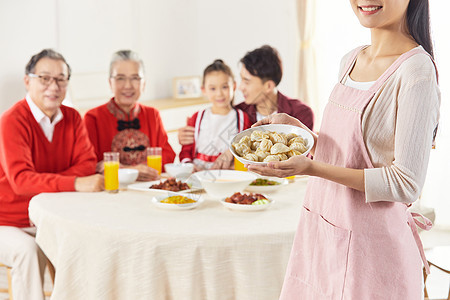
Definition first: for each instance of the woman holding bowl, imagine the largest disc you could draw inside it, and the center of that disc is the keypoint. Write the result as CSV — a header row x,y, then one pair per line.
x,y
356,239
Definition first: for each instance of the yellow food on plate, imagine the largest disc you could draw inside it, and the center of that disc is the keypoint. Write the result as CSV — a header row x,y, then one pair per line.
x,y
178,200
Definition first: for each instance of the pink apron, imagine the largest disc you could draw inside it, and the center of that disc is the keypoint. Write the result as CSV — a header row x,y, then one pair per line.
x,y
346,248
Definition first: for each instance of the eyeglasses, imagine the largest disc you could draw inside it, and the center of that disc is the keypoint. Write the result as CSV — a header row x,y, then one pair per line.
x,y
121,80
47,80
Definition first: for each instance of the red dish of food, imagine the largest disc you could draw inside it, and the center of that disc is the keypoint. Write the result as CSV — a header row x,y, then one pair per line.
x,y
248,199
172,185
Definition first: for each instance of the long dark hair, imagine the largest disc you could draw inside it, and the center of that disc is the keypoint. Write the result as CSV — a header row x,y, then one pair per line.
x,y
418,20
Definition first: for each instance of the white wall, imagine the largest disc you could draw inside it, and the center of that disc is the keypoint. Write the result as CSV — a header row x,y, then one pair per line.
x,y
174,38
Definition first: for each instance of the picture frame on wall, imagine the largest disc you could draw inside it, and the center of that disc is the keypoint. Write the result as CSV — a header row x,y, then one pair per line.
x,y
187,87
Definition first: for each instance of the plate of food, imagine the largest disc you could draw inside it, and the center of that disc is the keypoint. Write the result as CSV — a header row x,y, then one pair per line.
x,y
266,184
274,142
165,185
177,201
247,202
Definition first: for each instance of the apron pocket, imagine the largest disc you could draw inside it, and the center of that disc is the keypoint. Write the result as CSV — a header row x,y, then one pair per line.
x,y
319,258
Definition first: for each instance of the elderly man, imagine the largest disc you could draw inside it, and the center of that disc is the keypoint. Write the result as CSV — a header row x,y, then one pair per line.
x,y
44,147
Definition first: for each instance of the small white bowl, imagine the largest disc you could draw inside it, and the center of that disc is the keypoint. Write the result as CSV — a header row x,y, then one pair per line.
x,y
179,169
222,183
127,176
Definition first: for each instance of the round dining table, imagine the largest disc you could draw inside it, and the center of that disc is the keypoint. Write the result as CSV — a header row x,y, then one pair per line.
x,y
120,246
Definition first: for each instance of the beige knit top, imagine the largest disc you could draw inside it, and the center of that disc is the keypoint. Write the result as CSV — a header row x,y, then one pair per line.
x,y
398,125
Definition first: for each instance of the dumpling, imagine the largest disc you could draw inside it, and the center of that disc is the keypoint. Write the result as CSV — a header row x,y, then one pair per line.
x,y
279,148
258,135
282,156
293,153
271,158
265,145
298,146
297,139
255,145
290,136
261,154
277,138
251,156
241,148
245,140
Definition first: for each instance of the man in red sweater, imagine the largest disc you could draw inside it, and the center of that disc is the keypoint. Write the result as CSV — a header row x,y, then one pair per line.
x,y
44,147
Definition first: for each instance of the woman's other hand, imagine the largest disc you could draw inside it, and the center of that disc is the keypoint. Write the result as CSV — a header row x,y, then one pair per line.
x,y
296,165
281,118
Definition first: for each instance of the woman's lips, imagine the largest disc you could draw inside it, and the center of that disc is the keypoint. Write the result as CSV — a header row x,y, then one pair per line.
x,y
369,10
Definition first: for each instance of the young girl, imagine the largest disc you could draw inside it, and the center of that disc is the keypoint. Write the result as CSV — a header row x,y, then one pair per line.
x,y
216,125
356,239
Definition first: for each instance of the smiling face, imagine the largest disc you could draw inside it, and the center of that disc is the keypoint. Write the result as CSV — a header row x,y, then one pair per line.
x,y
382,14
219,89
47,97
126,83
252,87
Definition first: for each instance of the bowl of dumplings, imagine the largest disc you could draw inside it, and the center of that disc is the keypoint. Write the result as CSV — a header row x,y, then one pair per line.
x,y
274,142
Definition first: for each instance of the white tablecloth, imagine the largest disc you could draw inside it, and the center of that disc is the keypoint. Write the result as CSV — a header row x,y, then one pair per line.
x,y
119,246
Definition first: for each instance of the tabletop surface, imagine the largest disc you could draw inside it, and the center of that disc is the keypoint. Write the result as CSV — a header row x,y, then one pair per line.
x,y
100,240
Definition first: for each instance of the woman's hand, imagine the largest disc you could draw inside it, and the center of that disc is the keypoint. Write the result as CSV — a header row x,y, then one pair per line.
x,y
281,118
296,165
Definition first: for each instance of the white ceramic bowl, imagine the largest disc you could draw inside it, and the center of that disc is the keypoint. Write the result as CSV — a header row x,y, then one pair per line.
x,y
222,183
127,176
179,169
280,128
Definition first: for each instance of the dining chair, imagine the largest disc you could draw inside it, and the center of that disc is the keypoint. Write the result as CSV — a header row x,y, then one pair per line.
x,y
51,270
8,273
439,258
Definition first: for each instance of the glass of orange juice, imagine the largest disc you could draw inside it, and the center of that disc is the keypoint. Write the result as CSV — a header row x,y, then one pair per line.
x,y
111,171
154,158
238,166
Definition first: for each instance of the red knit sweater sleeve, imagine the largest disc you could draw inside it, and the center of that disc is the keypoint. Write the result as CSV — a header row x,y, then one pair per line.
x,y
90,123
16,158
188,151
83,156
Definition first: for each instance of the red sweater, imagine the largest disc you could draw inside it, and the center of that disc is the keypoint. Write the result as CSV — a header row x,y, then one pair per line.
x,y
189,152
30,164
102,127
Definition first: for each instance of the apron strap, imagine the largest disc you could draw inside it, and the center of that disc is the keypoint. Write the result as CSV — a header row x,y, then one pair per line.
x,y
426,225
351,62
198,121
382,79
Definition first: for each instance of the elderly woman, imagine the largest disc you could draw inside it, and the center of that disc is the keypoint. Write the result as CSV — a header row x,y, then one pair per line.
x,y
125,126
